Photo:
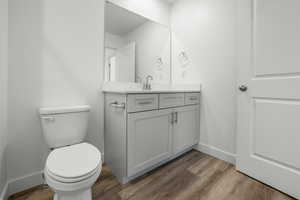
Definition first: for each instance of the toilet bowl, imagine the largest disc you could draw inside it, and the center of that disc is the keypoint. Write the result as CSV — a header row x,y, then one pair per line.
x,y
71,171
73,165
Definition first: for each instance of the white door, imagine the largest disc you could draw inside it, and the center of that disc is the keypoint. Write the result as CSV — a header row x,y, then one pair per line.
x,y
109,64
125,63
185,128
149,139
268,135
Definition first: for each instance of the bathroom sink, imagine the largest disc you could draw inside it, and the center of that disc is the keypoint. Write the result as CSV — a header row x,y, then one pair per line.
x,y
134,88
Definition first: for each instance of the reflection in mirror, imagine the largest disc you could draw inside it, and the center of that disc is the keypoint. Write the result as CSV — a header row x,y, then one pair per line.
x,y
135,47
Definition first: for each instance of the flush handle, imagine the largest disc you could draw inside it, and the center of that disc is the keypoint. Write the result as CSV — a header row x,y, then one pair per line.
x,y
48,119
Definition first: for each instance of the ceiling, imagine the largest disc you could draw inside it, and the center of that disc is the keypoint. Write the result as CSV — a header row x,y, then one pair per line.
x,y
170,1
119,21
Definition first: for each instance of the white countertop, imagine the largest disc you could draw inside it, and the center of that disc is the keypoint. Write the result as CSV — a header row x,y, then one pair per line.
x,y
137,88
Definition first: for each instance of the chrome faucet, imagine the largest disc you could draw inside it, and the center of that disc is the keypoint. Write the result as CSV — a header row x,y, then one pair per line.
x,y
147,84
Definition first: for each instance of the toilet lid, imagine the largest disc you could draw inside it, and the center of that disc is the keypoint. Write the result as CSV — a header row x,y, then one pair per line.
x,y
74,161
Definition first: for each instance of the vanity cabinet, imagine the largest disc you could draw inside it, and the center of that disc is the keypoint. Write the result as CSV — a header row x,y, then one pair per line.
x,y
143,131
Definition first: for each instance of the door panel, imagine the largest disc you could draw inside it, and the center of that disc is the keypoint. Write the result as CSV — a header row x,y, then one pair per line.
x,y
276,134
276,87
268,138
149,139
276,35
186,128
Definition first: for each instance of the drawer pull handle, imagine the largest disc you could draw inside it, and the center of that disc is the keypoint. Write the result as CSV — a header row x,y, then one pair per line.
x,y
172,97
145,103
193,98
117,105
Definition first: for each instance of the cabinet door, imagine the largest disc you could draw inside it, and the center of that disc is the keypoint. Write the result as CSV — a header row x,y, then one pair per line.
x,y
149,139
186,129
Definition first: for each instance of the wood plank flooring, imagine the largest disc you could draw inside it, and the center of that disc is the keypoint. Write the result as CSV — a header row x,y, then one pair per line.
x,y
193,176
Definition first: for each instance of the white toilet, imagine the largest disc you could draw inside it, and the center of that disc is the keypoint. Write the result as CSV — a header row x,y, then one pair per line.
x,y
73,166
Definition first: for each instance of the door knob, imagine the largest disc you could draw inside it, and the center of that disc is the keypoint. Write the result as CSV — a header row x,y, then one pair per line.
x,y
243,88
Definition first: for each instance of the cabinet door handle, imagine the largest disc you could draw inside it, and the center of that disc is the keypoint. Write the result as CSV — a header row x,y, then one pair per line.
x,y
176,117
172,118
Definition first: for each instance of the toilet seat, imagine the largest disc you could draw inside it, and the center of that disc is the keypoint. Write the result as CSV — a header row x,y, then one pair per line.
x,y
73,163
71,180
59,186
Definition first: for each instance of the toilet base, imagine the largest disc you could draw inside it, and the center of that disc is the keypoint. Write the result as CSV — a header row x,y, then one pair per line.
x,y
75,195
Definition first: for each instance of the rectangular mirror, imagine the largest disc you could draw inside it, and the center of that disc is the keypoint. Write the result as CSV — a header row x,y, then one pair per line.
x,y
135,47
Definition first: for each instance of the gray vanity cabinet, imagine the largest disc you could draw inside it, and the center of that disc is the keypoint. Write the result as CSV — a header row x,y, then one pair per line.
x,y
143,131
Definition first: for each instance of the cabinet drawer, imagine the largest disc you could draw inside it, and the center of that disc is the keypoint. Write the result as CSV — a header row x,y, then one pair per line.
x,y
171,100
192,98
142,102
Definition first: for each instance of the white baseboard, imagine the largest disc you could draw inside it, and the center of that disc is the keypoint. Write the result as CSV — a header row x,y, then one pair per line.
x,y
102,157
23,183
216,152
4,195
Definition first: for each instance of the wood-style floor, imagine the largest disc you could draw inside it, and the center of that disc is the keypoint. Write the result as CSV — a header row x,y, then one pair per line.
x,y
193,176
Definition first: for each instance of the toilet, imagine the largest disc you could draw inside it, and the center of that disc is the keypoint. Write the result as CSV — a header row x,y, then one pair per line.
x,y
73,165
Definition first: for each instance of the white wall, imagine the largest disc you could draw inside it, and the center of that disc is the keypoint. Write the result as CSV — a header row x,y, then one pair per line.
x,y
152,42
206,30
55,59
114,41
3,90
156,10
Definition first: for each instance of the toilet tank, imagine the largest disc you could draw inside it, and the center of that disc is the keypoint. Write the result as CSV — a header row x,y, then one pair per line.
x,y
63,126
